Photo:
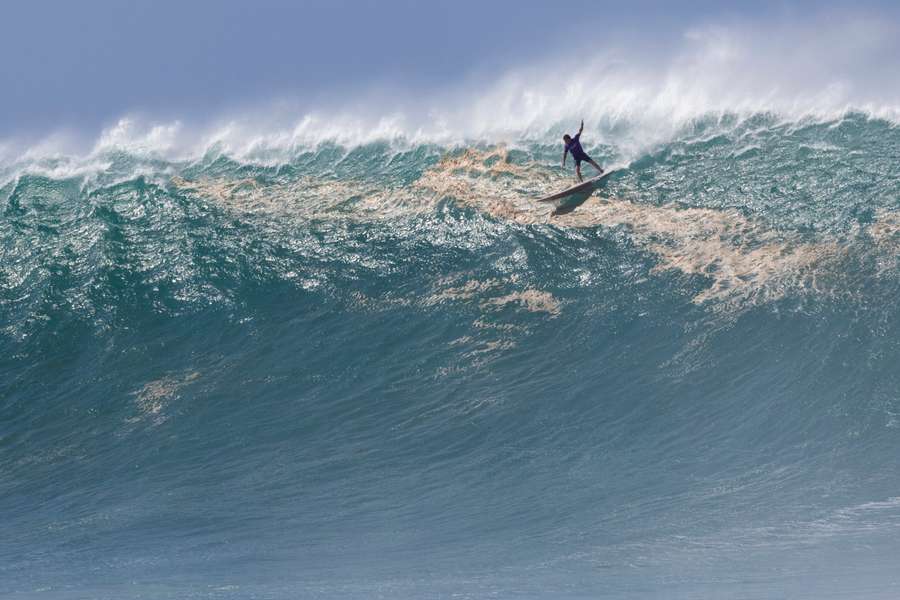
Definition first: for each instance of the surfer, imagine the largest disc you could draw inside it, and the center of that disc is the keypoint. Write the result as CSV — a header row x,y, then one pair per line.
x,y
573,145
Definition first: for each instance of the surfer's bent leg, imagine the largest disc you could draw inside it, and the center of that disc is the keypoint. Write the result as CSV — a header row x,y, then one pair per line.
x,y
578,170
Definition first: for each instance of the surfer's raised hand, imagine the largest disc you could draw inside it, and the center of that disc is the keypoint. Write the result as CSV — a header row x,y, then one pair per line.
x,y
580,129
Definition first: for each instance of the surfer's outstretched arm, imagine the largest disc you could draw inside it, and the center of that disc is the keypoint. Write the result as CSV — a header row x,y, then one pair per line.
x,y
580,129
565,153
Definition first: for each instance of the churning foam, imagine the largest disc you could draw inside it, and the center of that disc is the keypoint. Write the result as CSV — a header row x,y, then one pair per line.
x,y
745,260
818,68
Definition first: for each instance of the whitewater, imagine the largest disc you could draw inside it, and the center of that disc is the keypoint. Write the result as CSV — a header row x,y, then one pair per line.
x,y
343,353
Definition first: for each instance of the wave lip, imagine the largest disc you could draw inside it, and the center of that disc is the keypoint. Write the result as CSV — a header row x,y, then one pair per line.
x,y
816,70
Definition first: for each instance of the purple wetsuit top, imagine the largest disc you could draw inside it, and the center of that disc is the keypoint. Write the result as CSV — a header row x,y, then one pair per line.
x,y
575,148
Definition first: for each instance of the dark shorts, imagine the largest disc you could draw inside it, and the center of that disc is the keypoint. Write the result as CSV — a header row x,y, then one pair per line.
x,y
580,157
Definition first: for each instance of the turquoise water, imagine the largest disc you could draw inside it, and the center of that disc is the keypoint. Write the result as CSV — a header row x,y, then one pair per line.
x,y
384,372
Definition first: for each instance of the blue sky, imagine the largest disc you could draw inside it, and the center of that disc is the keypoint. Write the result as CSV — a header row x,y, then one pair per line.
x,y
81,64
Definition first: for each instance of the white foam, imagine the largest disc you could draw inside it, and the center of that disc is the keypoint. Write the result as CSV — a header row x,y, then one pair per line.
x,y
137,137
818,69
154,397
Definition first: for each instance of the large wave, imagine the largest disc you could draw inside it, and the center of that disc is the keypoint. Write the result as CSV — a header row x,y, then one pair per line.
x,y
353,357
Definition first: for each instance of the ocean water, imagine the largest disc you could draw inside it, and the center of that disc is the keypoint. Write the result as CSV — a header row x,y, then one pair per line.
x,y
383,371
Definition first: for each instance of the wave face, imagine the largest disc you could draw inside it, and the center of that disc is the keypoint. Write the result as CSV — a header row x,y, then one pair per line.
x,y
384,371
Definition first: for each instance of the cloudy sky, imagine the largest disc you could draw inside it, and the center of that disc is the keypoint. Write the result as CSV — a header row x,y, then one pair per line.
x,y
84,64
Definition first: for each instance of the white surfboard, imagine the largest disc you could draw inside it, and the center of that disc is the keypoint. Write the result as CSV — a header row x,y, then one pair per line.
x,y
584,186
